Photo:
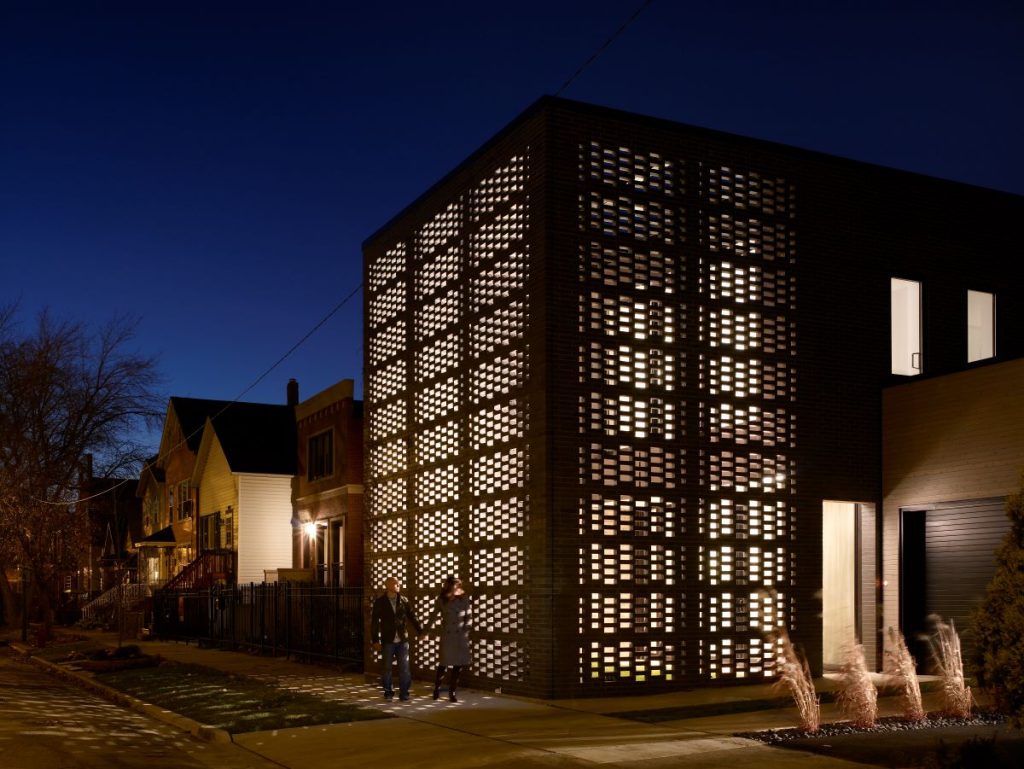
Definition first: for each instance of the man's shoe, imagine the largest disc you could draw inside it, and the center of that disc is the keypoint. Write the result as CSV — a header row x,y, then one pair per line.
x,y
452,697
437,692
389,696
403,697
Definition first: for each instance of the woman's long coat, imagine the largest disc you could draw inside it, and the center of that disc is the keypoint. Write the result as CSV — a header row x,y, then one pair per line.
x,y
454,618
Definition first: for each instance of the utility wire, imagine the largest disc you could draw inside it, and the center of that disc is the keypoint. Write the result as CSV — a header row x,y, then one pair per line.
x,y
604,46
298,344
607,43
334,311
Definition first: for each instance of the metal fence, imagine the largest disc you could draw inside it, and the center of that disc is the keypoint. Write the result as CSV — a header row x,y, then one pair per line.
x,y
291,619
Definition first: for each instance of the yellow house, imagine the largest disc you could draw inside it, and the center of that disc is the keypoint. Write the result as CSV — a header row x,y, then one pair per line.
x,y
244,469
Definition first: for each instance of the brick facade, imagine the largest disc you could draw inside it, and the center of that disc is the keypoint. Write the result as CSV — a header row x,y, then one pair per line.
x,y
615,365
330,496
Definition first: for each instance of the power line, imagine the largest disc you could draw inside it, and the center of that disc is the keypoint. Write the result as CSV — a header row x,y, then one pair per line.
x,y
607,43
298,344
604,46
334,311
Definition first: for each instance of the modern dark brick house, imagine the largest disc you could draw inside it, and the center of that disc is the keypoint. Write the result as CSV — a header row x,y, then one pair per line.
x,y
624,376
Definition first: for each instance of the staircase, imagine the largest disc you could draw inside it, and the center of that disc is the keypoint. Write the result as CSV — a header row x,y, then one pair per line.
x,y
210,568
131,594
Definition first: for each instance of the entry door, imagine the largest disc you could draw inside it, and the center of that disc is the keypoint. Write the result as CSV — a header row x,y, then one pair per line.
x,y
914,583
337,553
321,556
839,579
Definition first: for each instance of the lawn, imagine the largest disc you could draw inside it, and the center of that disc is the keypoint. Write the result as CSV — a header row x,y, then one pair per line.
x,y
234,703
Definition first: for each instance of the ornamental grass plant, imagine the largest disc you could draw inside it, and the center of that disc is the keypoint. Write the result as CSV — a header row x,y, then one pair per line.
x,y
857,697
795,675
956,694
901,668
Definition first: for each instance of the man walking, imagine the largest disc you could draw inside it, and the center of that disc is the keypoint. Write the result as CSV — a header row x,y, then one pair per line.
x,y
388,635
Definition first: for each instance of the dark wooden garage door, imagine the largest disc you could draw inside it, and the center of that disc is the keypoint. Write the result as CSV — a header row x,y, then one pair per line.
x,y
960,539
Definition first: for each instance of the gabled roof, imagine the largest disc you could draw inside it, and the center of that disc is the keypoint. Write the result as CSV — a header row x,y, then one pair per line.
x,y
155,470
258,438
255,437
151,473
192,414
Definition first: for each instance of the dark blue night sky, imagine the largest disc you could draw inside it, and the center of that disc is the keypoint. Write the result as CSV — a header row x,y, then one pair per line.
x,y
213,167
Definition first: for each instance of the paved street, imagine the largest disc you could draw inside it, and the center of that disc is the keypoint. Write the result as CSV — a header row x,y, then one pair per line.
x,y
47,724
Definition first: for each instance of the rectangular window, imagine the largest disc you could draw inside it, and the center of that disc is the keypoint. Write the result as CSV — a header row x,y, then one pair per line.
x,y
209,531
981,325
321,456
185,502
906,326
204,532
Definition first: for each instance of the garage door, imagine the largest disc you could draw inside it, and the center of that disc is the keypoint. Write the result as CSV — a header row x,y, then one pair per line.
x,y
960,539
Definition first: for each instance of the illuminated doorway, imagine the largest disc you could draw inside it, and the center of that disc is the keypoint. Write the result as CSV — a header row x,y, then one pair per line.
x,y
839,579
337,548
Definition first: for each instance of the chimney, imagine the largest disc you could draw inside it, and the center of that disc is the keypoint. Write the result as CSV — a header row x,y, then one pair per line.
x,y
293,392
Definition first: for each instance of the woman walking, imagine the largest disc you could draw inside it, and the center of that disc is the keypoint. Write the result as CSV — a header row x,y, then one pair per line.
x,y
452,609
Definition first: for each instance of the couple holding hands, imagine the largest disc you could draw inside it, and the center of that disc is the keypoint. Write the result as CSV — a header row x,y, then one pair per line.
x,y
391,614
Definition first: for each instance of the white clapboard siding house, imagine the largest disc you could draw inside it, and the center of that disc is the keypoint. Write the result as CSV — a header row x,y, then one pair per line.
x,y
245,467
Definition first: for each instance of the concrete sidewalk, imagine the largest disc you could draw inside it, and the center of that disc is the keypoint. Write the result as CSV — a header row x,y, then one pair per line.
x,y
494,730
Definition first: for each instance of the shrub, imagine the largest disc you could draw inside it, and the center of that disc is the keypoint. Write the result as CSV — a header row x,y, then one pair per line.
x,y
125,652
998,623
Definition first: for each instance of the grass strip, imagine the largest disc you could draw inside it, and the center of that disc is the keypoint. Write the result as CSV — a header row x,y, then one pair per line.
x,y
234,703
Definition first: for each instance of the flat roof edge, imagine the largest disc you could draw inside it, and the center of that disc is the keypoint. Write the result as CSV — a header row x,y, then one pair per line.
x,y
548,102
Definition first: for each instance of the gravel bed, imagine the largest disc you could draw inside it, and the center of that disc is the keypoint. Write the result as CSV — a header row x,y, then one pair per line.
x,y
886,725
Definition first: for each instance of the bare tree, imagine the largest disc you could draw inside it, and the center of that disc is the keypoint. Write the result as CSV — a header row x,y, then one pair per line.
x,y
65,392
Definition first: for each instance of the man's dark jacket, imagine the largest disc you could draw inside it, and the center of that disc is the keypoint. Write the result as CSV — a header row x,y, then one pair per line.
x,y
385,621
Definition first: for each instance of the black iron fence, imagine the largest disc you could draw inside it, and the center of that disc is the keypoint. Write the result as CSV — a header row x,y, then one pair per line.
x,y
287,618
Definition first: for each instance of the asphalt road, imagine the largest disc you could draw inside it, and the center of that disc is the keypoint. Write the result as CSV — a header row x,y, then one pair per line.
x,y
46,724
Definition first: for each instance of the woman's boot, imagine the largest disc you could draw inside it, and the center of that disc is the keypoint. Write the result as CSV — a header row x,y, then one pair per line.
x,y
453,683
437,681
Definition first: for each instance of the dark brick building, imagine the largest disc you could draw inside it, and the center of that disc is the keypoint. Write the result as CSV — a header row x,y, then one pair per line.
x,y
327,493
624,376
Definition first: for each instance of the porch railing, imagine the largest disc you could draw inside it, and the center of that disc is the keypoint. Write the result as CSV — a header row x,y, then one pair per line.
x,y
126,594
211,567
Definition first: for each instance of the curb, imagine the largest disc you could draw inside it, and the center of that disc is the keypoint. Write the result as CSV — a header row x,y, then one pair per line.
x,y
85,681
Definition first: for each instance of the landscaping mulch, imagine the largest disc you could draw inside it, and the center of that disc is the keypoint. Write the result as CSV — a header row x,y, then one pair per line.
x,y
984,741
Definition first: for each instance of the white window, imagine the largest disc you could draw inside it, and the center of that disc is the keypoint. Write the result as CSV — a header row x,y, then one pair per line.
x,y
906,326
981,325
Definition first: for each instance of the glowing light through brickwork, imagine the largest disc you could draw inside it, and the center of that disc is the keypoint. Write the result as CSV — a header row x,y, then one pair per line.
x,y
663,512
632,417
447,458
747,342
686,368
